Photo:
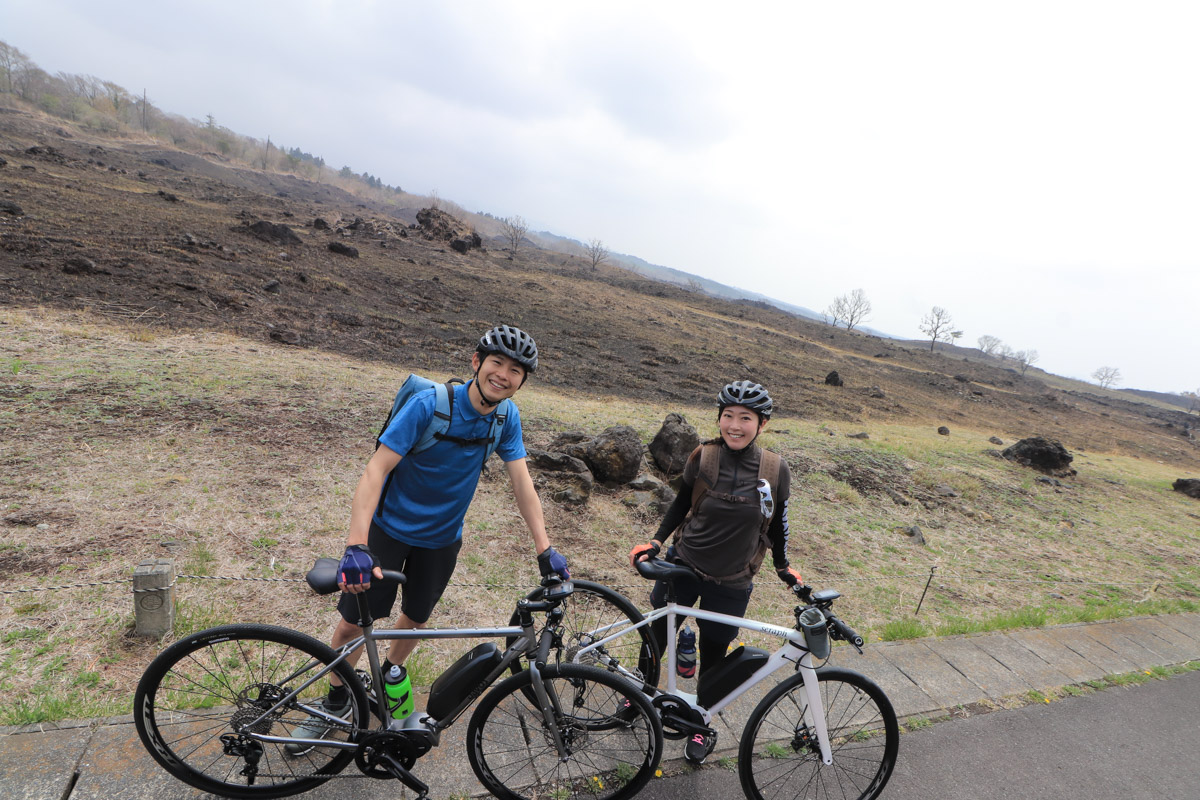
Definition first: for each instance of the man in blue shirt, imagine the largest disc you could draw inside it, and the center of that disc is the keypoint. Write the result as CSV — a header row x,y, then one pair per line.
x,y
407,513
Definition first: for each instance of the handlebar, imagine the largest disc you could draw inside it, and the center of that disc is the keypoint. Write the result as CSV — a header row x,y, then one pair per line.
x,y
840,630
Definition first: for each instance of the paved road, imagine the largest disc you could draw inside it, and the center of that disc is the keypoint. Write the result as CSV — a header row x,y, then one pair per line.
x,y
1136,743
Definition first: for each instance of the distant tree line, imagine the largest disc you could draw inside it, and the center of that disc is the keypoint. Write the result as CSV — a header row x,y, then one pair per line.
x,y
105,106
992,346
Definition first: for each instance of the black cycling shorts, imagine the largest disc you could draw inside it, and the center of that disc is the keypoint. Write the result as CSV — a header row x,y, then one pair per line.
x,y
428,572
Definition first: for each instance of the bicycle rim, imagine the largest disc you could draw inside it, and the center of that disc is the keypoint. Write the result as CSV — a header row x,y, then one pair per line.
x,y
587,613
779,758
217,682
513,753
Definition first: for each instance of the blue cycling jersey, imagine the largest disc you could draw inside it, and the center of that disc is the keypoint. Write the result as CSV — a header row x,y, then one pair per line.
x,y
427,497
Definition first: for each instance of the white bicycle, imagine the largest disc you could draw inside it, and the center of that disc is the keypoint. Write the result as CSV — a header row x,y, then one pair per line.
x,y
824,732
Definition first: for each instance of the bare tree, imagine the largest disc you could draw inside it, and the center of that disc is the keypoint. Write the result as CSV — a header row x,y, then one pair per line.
x,y
849,309
1024,358
597,252
989,344
1107,376
515,229
937,326
1193,399
265,158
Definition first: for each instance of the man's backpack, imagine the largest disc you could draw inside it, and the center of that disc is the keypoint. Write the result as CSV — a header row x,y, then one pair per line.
x,y
443,412
770,467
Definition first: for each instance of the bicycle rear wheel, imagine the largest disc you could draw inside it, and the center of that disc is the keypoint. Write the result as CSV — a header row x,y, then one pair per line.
x,y
588,613
613,737
216,684
779,758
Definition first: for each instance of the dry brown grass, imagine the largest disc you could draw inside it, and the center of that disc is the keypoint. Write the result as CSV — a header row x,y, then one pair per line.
x,y
121,442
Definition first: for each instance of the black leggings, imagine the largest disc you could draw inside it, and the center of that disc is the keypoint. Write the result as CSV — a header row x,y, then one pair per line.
x,y
715,637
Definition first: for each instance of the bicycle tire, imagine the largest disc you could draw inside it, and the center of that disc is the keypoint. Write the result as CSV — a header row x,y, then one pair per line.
x,y
195,691
591,607
779,759
614,734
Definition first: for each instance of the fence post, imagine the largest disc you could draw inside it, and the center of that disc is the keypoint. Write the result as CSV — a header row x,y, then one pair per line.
x,y
926,589
154,597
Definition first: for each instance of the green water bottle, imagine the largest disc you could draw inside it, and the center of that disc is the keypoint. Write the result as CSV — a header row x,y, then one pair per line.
x,y
398,689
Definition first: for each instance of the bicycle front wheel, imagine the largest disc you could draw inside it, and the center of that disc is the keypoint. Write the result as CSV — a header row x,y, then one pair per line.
x,y
779,758
199,700
591,611
611,736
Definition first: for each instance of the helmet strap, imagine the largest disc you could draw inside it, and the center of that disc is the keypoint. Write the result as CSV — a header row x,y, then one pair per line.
x,y
483,397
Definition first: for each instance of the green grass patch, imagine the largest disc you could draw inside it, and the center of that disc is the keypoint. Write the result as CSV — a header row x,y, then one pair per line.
x,y
900,629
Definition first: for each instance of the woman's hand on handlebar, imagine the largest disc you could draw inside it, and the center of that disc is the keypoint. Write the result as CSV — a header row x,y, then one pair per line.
x,y
644,552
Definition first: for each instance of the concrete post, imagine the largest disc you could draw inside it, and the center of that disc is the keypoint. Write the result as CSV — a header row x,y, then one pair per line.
x,y
154,598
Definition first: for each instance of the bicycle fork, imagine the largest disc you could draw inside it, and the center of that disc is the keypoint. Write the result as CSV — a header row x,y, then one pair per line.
x,y
549,706
814,710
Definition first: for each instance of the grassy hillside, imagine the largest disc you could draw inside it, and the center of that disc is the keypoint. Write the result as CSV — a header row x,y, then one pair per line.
x,y
237,459
148,408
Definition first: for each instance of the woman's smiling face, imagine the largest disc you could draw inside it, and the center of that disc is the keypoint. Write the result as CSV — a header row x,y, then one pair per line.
x,y
739,426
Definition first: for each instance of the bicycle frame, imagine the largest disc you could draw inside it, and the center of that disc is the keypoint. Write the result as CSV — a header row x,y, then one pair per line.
x,y
519,648
793,651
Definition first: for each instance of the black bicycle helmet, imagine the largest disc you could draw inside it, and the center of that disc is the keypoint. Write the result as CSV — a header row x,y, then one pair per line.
x,y
512,342
746,393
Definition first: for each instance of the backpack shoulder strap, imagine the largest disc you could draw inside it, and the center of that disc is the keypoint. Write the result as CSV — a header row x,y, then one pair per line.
x,y
770,467
443,412
706,478
496,431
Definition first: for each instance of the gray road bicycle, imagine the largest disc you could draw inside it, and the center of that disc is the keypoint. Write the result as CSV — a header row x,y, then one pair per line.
x,y
220,709
821,733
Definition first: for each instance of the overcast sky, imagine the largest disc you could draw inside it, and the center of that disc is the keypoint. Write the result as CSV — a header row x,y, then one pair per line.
x,y
1032,167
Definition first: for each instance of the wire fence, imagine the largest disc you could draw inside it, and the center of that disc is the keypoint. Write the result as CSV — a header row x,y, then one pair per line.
x,y
1042,580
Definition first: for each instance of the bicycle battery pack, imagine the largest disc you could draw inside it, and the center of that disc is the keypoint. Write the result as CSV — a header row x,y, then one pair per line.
x,y
729,674
466,674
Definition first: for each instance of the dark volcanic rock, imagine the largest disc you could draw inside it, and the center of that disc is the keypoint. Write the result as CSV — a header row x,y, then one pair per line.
x,y
274,232
673,443
615,455
9,207
79,265
341,248
1044,455
437,224
944,431
561,477
833,379
1189,486
573,443
464,244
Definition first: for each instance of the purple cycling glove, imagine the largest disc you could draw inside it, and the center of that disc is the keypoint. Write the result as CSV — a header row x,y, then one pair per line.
x,y
356,565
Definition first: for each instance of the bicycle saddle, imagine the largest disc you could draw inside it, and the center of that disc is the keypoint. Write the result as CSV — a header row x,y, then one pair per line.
x,y
658,570
323,577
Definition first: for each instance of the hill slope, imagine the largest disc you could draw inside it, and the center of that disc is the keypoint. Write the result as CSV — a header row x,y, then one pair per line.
x,y
164,237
